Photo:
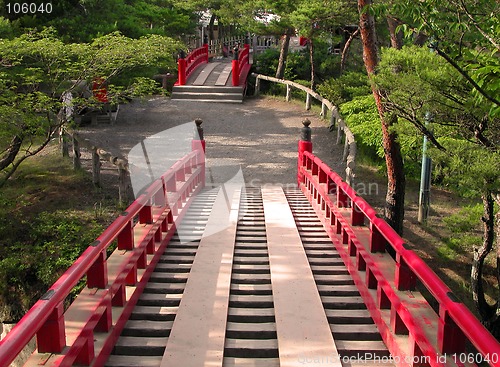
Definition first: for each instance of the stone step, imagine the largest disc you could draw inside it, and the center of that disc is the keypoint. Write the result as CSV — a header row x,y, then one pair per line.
x,y
215,97
206,89
208,93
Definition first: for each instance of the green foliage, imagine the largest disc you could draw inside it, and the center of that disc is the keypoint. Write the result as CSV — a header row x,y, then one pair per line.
x,y
38,67
298,66
466,34
44,227
362,117
416,82
466,168
465,228
84,20
44,247
466,220
314,17
266,62
143,87
345,88
7,29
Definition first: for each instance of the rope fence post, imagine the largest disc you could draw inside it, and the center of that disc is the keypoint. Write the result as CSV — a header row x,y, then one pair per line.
x,y
346,150
96,167
123,185
308,101
323,110
77,164
63,141
332,122
288,92
257,87
340,134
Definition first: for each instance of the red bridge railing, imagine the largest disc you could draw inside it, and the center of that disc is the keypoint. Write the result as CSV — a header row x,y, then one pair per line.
x,y
414,333
86,332
241,66
187,65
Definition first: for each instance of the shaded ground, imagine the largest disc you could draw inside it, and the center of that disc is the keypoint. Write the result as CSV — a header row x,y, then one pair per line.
x,y
261,136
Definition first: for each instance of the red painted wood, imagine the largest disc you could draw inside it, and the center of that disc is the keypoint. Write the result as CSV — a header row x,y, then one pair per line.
x,y
452,328
46,319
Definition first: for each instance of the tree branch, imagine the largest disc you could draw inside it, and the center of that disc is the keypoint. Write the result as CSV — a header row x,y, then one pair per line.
x,y
485,35
466,76
401,112
346,49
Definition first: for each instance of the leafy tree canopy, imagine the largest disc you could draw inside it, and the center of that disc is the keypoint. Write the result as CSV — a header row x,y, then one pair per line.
x,y
421,86
38,67
83,20
466,33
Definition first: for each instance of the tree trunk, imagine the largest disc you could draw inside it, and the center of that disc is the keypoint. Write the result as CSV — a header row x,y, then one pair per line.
x,y
280,71
345,51
12,151
211,28
311,60
394,208
396,37
488,313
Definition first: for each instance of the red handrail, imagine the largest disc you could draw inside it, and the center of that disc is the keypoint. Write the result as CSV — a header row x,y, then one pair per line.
x,y
240,66
187,65
45,319
456,324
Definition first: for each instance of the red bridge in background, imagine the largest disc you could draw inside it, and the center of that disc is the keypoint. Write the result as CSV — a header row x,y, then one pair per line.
x,y
251,276
220,80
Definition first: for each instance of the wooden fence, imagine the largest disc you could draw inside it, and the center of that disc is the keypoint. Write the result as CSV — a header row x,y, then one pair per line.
x,y
98,156
219,47
343,130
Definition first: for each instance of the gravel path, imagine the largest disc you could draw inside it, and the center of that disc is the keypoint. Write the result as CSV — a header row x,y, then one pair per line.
x,y
260,135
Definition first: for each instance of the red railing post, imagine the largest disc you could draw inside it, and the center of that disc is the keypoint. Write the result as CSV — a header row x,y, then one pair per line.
x,y
236,68
205,48
305,145
342,198
357,215
181,63
146,214
51,337
377,240
126,237
97,276
404,278
451,338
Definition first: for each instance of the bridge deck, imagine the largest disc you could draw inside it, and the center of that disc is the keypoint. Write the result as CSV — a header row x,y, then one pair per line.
x,y
210,82
250,279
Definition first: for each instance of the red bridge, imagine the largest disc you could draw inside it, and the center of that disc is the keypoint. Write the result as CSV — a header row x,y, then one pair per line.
x,y
220,80
250,276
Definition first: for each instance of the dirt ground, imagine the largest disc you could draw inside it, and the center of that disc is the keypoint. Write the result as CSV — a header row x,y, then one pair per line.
x,y
260,136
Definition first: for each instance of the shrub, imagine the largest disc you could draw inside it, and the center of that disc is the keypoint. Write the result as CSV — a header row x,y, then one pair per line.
x,y
345,88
